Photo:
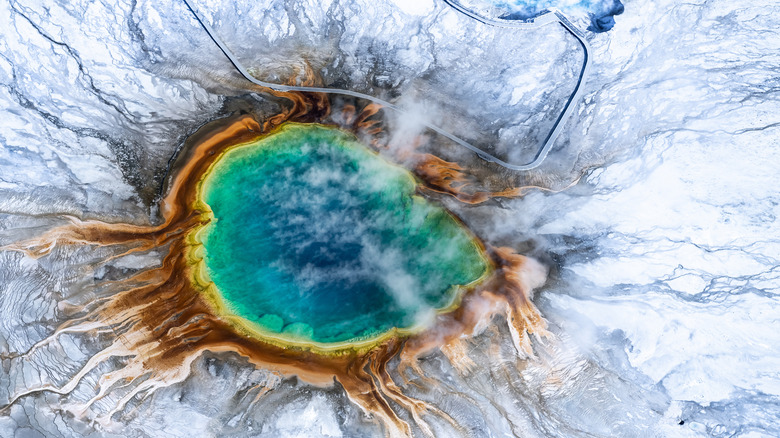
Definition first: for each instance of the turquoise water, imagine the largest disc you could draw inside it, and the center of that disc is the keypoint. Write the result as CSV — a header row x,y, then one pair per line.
x,y
600,12
540,5
317,238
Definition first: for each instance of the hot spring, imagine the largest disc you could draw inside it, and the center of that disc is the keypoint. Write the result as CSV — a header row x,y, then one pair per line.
x,y
312,238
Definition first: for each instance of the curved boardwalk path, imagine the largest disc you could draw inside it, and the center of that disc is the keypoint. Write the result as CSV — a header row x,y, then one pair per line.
x,y
545,18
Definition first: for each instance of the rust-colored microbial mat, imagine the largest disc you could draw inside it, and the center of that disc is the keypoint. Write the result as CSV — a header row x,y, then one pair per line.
x,y
166,317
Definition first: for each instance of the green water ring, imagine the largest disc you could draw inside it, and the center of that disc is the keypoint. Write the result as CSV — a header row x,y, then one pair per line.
x,y
314,241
